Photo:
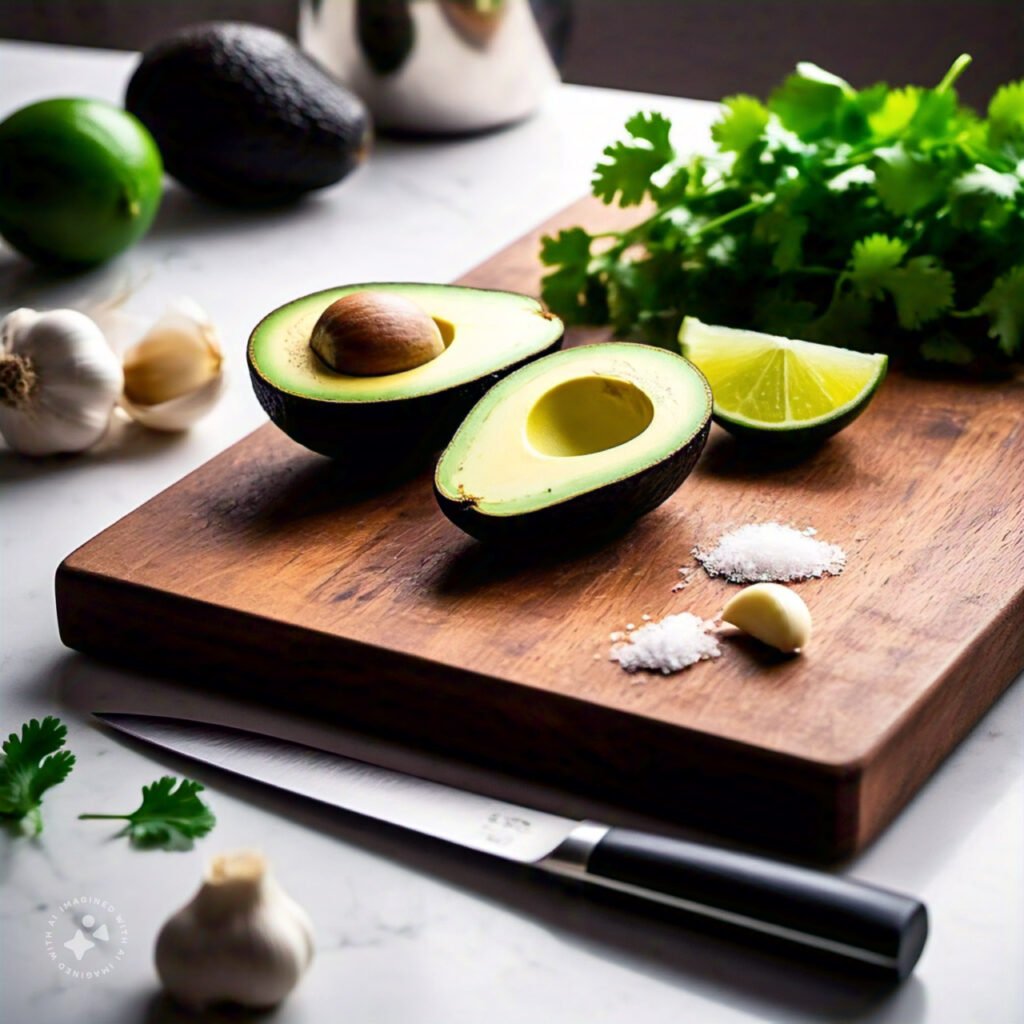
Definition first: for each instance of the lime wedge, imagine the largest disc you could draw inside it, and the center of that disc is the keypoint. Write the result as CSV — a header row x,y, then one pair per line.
x,y
769,388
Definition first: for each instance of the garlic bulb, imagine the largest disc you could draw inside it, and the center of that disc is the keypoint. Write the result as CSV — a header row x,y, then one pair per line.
x,y
59,381
241,940
174,375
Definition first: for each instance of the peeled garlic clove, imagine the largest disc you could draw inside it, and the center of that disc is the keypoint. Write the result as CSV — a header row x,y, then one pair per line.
x,y
179,358
773,614
241,940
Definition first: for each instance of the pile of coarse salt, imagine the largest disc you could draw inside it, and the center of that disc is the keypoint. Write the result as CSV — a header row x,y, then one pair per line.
x,y
674,643
771,553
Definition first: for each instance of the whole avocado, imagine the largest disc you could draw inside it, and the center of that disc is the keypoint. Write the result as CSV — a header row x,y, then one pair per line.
x,y
243,117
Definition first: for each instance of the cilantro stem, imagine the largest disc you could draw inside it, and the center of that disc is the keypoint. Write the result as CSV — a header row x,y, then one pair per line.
x,y
114,817
741,211
958,67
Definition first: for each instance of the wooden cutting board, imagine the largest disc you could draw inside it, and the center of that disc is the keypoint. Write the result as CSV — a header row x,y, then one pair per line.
x,y
266,573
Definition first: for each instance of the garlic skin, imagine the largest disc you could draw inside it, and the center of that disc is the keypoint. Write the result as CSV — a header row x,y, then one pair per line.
x,y
174,375
178,414
59,381
241,940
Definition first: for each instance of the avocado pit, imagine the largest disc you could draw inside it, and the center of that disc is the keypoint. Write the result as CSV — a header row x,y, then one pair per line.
x,y
371,334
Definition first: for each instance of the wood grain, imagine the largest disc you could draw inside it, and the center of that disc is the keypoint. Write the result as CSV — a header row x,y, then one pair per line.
x,y
267,573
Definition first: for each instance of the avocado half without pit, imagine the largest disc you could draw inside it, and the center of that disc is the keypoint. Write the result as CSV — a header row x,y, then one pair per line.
x,y
575,446
380,375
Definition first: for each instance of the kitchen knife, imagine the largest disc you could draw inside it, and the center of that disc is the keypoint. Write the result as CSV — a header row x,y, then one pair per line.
x,y
807,908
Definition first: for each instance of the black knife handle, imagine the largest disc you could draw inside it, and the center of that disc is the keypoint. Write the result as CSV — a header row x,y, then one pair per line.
x,y
870,925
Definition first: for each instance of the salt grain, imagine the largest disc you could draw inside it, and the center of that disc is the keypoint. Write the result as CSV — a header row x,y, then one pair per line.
x,y
674,643
770,552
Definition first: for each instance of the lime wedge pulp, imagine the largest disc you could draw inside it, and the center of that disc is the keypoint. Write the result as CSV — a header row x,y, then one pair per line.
x,y
771,388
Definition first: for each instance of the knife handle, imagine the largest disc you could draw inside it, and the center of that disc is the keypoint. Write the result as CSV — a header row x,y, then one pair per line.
x,y
873,926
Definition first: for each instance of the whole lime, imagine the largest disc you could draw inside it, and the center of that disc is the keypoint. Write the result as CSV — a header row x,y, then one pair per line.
x,y
80,180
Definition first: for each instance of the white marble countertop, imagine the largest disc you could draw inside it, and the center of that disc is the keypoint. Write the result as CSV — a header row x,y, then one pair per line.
x,y
407,932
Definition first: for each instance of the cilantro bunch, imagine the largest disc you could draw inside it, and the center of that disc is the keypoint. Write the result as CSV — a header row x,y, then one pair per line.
x,y
882,219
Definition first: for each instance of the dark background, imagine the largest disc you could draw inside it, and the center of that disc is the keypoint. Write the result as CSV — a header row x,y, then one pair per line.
x,y
699,48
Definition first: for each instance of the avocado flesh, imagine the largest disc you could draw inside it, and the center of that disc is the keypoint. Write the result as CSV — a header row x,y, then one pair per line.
x,y
587,439
400,415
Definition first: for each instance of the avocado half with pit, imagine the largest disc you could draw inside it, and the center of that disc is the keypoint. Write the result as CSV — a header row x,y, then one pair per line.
x,y
378,423
575,446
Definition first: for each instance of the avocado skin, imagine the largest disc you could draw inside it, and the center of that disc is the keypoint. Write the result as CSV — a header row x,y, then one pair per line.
x,y
372,437
585,518
243,117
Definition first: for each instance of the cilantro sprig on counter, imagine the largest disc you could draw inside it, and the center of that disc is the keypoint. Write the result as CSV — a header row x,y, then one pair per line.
x,y
889,219
168,817
32,763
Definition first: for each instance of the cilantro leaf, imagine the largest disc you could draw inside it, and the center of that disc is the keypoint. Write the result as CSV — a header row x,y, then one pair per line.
x,y
168,817
33,763
984,179
1006,115
630,165
935,118
565,289
785,232
741,125
921,290
872,260
857,176
906,181
1004,304
895,113
808,101
982,194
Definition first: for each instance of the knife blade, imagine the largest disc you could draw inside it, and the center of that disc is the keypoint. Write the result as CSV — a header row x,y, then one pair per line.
x,y
857,922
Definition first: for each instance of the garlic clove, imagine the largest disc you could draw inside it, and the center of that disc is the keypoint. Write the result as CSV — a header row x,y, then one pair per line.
x,y
240,940
13,328
174,373
179,413
773,614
